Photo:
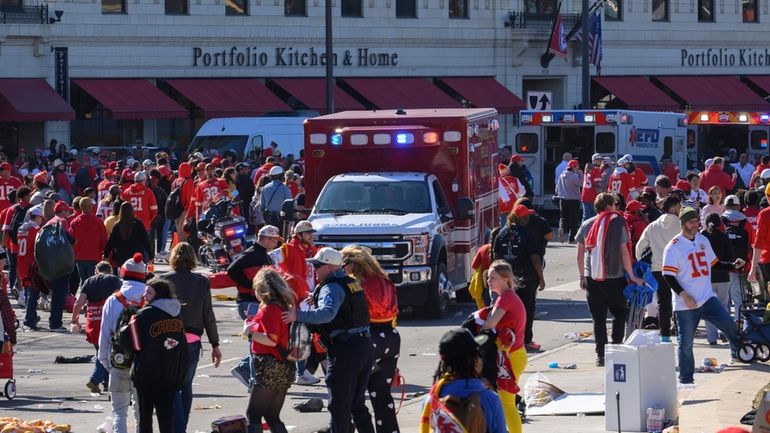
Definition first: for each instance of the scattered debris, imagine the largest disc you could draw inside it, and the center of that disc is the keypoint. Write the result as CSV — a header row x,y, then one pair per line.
x,y
211,407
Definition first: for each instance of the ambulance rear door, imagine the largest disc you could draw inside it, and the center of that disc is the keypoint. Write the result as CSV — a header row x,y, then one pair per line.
x,y
529,145
757,146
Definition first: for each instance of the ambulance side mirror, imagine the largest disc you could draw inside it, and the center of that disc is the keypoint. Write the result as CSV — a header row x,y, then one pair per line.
x,y
288,210
465,209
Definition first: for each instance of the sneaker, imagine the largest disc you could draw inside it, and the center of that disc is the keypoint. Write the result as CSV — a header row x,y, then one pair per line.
x,y
306,379
600,361
722,337
59,329
712,343
533,346
665,339
240,375
93,387
27,328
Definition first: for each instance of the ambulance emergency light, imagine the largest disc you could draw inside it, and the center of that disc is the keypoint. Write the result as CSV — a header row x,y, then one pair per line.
x,y
589,118
764,118
743,117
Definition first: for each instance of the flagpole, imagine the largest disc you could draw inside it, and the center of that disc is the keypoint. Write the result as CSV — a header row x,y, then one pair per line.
x,y
586,71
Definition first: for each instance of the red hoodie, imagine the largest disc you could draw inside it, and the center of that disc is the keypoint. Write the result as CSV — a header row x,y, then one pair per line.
x,y
757,173
143,201
262,171
714,176
90,237
295,255
187,185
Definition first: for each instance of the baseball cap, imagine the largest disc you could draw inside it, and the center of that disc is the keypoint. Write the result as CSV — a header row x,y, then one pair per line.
x,y
596,156
573,163
326,256
57,162
198,155
127,174
634,206
5,166
516,158
460,343
628,157
622,161
303,227
765,174
276,171
709,162
648,190
521,211
61,206
148,162
130,161
732,200
112,165
686,214
35,211
217,161
140,176
607,160
240,166
269,231
503,169
683,185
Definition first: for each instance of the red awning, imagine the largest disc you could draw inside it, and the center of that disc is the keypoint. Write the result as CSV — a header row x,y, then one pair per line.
x,y
761,81
312,93
723,93
394,93
638,93
483,92
132,99
31,100
229,97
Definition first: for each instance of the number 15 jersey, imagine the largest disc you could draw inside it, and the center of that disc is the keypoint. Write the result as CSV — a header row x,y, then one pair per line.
x,y
690,261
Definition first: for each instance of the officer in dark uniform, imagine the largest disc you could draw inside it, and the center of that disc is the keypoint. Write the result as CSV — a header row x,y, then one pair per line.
x,y
516,244
340,315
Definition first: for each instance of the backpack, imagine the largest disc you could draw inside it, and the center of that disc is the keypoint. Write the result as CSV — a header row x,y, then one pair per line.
x,y
300,342
17,220
255,212
121,355
174,207
739,239
454,414
53,252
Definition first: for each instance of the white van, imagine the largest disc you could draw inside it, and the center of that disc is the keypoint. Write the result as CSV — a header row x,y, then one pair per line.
x,y
246,134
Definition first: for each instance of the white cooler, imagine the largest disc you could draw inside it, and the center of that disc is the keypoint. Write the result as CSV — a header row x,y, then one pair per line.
x,y
643,372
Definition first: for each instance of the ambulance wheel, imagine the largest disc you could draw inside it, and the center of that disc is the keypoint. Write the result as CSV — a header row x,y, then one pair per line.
x,y
746,353
10,389
763,352
437,303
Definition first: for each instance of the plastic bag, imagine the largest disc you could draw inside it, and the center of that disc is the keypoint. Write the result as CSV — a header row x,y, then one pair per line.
x,y
539,392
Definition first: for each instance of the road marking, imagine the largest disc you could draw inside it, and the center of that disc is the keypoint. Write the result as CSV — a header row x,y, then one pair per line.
x,y
35,339
224,361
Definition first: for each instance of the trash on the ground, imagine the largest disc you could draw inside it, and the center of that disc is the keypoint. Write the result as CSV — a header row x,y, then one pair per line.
x,y
685,386
105,427
96,394
655,418
311,405
554,364
577,335
83,359
203,375
711,365
34,371
428,354
12,424
415,395
98,407
571,404
223,297
226,341
213,406
538,391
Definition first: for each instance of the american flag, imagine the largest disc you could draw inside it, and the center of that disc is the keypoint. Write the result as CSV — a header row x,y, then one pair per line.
x,y
594,39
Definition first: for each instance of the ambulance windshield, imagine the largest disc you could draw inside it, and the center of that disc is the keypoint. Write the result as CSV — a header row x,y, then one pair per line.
x,y
385,197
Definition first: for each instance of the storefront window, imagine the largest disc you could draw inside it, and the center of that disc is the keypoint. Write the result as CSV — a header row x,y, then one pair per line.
x,y
750,11
236,7
540,7
352,8
113,6
406,8
613,10
295,8
660,10
176,7
458,8
706,11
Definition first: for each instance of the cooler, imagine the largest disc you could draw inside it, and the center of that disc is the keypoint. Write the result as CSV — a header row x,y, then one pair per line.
x,y
643,371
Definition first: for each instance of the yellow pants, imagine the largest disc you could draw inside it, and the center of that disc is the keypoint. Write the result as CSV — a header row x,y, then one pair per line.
x,y
518,360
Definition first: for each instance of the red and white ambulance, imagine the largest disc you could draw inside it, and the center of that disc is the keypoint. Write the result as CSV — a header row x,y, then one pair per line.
x,y
712,133
418,187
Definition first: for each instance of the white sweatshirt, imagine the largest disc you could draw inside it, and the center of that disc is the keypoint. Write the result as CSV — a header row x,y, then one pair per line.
x,y
133,291
656,236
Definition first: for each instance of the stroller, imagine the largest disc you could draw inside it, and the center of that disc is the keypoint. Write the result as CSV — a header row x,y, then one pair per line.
x,y
754,333
6,363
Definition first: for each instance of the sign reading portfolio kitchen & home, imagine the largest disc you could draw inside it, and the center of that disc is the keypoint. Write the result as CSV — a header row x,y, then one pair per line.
x,y
289,57
725,57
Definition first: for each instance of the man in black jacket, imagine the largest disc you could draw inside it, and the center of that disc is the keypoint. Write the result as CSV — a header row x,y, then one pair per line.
x,y
160,226
242,271
245,188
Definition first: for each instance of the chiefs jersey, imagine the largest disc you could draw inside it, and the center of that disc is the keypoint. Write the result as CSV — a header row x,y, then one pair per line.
x,y
26,255
206,191
6,186
690,261
142,199
590,180
640,179
621,183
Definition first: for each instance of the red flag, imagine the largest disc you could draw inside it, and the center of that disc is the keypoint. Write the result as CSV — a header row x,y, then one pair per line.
x,y
558,43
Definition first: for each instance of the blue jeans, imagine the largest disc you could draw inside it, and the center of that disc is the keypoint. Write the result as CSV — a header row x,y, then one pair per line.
x,y
183,400
244,364
30,314
688,320
60,288
12,259
100,374
589,211
86,269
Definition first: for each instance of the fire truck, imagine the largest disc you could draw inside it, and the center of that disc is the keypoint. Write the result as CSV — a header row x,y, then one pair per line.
x,y
712,133
418,187
542,137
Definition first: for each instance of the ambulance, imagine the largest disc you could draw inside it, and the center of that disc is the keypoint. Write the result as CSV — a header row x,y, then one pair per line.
x,y
417,187
712,133
542,137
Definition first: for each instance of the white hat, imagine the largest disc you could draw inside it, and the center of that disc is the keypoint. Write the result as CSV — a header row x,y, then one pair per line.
x,y
198,155
130,161
276,171
709,162
628,157
732,200
596,156
57,162
302,227
148,162
140,176
35,211
269,231
622,161
73,152
327,256
765,174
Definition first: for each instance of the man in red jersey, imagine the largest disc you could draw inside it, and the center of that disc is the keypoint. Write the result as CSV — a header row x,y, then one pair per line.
x,y
8,183
592,185
142,200
207,190
621,181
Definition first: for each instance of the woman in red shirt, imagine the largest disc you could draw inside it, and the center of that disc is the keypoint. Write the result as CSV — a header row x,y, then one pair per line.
x,y
272,373
508,318
480,264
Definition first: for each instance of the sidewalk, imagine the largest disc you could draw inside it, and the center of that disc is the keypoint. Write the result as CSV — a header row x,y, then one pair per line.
x,y
719,400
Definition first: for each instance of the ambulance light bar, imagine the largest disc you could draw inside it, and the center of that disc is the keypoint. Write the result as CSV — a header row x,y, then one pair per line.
x,y
764,118
589,118
743,117
547,118
568,118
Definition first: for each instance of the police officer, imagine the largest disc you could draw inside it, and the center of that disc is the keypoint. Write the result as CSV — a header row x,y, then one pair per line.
x,y
340,314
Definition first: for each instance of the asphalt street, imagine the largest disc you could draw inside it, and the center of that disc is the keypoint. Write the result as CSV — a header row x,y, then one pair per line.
x,y
58,392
